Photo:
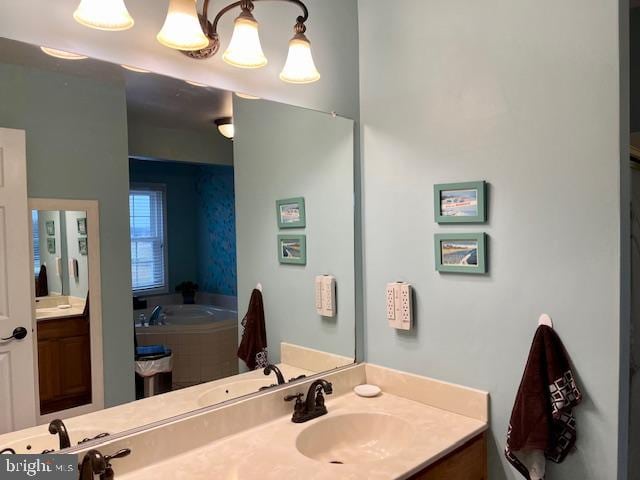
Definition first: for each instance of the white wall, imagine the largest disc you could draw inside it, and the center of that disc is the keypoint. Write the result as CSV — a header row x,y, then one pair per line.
x,y
526,96
332,29
283,152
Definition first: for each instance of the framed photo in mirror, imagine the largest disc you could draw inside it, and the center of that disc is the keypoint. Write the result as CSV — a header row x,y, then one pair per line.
x,y
292,249
51,227
82,226
460,202
291,213
82,246
51,245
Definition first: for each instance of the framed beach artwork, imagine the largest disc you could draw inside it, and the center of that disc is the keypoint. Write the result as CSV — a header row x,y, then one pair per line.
x,y
83,247
461,252
291,213
51,245
82,226
51,227
460,202
292,249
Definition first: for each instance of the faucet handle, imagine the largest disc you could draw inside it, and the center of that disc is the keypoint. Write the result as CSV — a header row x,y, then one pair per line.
x,y
297,397
125,452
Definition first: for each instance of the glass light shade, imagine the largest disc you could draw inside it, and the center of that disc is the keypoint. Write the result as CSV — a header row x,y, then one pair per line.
x,y
226,130
196,84
103,15
246,96
299,67
244,49
182,29
62,54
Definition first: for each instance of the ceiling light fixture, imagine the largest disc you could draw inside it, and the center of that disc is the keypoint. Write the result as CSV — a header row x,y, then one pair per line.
x,y
196,84
62,54
247,96
192,33
109,15
225,126
134,69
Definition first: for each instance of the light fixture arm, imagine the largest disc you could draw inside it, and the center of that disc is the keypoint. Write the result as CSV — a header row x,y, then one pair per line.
x,y
210,29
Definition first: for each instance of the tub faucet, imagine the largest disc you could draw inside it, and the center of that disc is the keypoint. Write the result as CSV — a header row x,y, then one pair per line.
x,y
155,315
57,427
272,368
313,406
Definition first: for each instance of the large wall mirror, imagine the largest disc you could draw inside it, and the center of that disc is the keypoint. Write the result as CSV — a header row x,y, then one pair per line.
x,y
189,245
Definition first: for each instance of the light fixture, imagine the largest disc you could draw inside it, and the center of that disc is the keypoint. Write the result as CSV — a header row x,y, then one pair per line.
x,y
299,67
181,29
194,35
225,126
244,49
134,69
62,54
103,15
247,96
196,84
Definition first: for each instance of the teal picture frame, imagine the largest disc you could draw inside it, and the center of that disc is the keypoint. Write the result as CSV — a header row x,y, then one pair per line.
x,y
462,207
292,249
291,213
461,259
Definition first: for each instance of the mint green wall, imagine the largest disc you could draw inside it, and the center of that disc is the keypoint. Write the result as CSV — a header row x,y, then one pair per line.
x,y
526,96
282,152
77,149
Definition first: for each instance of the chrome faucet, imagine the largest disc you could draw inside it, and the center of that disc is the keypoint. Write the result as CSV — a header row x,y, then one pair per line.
x,y
94,463
154,318
313,406
272,368
57,427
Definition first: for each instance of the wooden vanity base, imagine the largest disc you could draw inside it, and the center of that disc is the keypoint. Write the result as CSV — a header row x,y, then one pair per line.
x,y
469,462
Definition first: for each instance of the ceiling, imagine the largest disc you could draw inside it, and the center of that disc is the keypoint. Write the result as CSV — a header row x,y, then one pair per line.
x,y
154,99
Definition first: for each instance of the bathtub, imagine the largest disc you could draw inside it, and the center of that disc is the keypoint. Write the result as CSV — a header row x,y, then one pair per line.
x,y
203,339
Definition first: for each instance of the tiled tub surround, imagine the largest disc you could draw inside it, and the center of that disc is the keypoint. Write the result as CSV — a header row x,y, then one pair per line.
x,y
255,438
201,353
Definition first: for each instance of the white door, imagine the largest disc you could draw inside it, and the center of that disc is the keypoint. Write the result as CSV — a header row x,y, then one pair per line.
x,y
17,385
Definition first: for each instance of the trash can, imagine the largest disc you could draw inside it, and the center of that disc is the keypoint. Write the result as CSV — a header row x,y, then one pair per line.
x,y
154,370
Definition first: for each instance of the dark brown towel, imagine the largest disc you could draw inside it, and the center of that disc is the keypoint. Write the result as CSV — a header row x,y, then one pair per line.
x,y
42,285
253,347
542,418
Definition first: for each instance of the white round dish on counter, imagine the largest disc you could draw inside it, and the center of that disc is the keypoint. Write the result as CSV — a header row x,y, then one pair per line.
x,y
367,390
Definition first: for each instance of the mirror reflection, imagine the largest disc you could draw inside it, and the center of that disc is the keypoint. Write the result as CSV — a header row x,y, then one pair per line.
x,y
209,254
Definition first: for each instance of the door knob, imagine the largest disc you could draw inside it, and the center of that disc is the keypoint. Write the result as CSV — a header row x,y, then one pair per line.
x,y
18,334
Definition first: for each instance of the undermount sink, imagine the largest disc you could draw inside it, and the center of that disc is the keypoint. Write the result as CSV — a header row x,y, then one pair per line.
x,y
355,438
47,441
233,390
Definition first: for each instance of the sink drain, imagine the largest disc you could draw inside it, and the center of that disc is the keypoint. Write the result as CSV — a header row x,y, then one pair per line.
x,y
336,462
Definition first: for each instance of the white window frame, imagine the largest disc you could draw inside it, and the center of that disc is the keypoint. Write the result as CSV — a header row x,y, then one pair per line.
x,y
154,187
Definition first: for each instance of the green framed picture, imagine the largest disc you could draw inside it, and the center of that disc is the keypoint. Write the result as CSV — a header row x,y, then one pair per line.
x,y
51,245
460,202
291,213
292,249
83,247
51,227
461,252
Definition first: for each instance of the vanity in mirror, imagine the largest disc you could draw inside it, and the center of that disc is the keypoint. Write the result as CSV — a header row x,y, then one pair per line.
x,y
187,246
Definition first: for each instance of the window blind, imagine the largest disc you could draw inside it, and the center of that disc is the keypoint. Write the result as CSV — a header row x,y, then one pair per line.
x,y
36,241
146,212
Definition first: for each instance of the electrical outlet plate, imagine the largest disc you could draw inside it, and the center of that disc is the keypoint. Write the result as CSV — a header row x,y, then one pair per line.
x,y
326,295
399,297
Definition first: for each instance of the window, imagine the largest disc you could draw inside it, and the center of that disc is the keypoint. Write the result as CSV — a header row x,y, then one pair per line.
x,y
36,241
148,238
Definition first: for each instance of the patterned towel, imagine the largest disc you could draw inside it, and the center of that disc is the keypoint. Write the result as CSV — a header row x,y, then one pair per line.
x,y
253,346
542,423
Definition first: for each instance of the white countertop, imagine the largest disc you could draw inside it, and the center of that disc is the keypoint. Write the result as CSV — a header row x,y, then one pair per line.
x,y
269,451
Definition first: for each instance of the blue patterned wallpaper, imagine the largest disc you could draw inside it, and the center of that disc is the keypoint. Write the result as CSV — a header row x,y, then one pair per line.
x,y
216,230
